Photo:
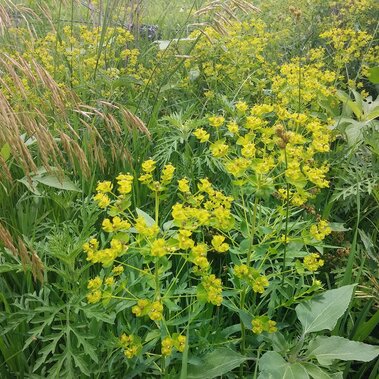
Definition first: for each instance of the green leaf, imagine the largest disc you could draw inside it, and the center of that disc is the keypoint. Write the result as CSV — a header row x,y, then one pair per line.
x,y
323,311
273,366
328,349
315,372
373,75
367,327
63,183
217,363
148,219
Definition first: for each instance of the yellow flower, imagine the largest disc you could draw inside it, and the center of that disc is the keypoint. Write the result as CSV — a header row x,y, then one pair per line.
x,y
104,187
219,149
259,284
257,325
148,166
167,173
167,345
107,225
158,248
95,283
233,127
320,230
118,270
312,262
156,310
216,121
124,182
201,135
109,281
180,343
242,107
94,297
102,200
183,185
219,245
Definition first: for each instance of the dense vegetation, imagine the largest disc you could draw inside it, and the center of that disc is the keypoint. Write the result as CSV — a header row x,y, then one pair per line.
x,y
189,189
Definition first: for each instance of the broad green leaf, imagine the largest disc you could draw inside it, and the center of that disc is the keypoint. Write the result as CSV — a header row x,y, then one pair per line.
x,y
323,311
328,349
217,363
373,75
273,366
148,219
315,372
55,182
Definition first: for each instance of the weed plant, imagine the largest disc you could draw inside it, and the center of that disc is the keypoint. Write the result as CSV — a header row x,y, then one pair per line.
x,y
200,206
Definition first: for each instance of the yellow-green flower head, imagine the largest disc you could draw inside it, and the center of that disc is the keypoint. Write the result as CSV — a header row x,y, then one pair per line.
x,y
205,186
259,284
263,324
312,262
242,106
185,242
148,166
167,346
156,310
94,296
258,326
159,248
118,270
104,187
219,245
102,200
219,149
320,230
233,127
201,135
124,182
109,281
183,185
216,121
142,307
95,283
167,173
117,224
241,271
180,343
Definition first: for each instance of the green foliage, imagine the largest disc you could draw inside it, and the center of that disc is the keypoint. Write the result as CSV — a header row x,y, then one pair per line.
x,y
278,109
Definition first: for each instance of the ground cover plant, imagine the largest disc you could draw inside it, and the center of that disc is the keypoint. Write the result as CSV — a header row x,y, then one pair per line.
x,y
189,189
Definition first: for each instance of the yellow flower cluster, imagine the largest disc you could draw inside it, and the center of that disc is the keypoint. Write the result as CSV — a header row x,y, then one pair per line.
x,y
304,82
145,307
231,58
95,284
348,44
207,208
321,230
262,324
272,142
177,341
252,277
147,177
312,262
210,290
75,56
131,344
107,256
